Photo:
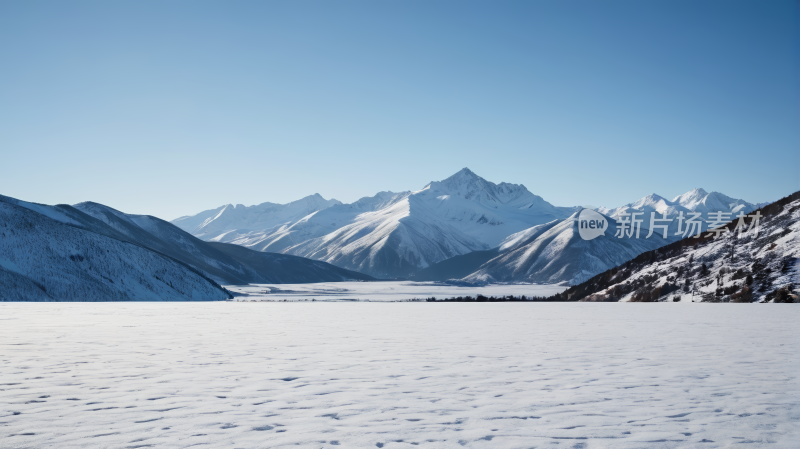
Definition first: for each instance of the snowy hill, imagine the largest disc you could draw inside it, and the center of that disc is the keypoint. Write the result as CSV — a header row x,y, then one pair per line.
x,y
394,234
558,254
226,265
44,259
42,231
749,267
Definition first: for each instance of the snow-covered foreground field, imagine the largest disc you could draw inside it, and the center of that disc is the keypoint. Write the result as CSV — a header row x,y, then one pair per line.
x,y
381,291
394,375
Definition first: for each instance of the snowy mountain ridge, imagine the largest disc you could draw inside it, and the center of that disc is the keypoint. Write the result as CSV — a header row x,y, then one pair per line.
x,y
695,200
391,234
313,225
215,223
398,234
558,254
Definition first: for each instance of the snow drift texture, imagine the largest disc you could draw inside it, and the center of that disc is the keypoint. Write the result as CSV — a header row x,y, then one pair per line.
x,y
465,376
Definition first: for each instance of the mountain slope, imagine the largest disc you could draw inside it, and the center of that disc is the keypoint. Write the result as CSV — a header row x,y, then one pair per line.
x,y
455,267
391,234
462,266
391,242
219,262
272,268
486,211
560,255
461,214
315,224
730,268
44,259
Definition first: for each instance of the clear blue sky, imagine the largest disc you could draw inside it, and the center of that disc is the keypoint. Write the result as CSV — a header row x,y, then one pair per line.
x,y
170,108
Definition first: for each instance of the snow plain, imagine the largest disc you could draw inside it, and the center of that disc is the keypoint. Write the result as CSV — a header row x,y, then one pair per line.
x,y
381,291
393,375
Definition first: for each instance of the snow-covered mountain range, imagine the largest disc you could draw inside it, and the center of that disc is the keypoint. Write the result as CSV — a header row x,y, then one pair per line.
x,y
695,200
556,253
391,234
734,267
93,252
463,227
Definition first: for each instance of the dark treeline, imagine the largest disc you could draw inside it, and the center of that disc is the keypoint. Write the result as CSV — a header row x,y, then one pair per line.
x,y
481,298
